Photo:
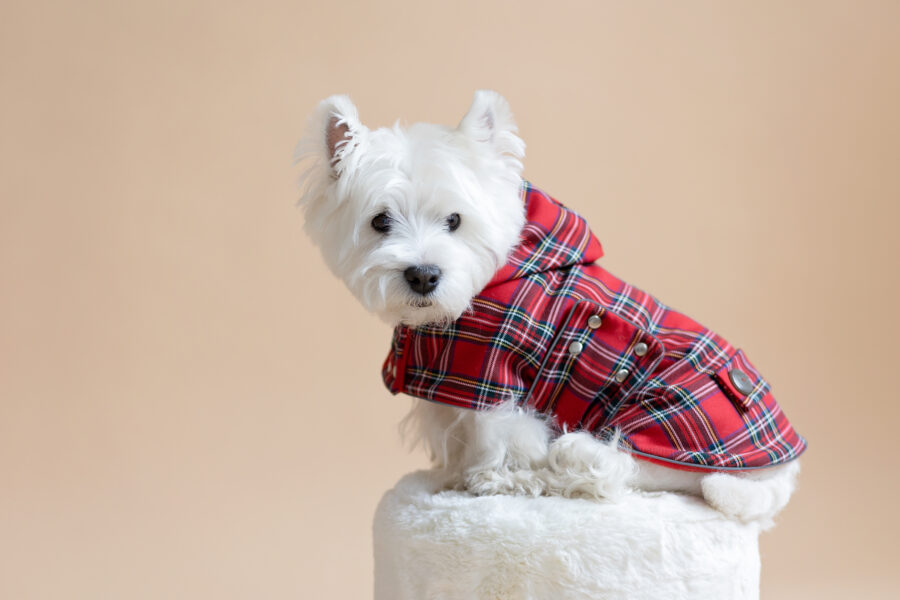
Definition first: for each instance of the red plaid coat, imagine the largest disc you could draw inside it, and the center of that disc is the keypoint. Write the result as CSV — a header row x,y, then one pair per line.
x,y
558,333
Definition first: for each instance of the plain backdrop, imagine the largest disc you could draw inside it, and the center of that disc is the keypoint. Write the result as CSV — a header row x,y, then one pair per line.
x,y
191,405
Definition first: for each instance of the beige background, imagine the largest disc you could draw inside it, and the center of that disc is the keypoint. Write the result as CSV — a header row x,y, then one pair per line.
x,y
190,405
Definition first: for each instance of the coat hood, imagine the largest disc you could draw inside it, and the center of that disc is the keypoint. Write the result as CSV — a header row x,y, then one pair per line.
x,y
554,237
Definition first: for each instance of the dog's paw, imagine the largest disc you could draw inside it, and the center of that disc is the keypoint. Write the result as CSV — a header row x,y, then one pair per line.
x,y
519,482
582,466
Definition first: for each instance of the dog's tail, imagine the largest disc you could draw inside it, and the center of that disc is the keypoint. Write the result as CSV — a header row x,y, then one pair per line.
x,y
754,497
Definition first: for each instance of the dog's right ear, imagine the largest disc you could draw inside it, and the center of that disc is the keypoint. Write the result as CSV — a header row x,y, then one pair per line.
x,y
334,132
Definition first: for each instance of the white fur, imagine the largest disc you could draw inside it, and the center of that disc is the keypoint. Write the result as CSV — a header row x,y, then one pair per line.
x,y
419,175
646,546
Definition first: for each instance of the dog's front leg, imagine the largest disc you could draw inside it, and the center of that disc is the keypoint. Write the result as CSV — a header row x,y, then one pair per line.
x,y
505,451
502,450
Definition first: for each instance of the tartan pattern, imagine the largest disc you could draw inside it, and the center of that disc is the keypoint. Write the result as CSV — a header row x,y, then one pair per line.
x,y
675,403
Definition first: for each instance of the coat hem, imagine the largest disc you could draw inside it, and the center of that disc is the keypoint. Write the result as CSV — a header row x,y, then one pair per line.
x,y
689,466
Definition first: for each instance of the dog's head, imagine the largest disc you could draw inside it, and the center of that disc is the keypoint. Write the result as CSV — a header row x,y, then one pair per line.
x,y
414,220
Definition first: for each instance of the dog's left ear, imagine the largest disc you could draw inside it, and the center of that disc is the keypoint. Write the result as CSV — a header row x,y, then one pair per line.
x,y
490,121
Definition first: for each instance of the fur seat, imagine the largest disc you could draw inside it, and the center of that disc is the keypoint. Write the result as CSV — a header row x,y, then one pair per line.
x,y
449,545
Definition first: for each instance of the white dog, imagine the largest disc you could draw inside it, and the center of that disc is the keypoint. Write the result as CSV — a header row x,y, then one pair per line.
x,y
417,221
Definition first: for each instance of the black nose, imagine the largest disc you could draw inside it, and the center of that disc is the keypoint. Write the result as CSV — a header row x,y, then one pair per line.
x,y
423,278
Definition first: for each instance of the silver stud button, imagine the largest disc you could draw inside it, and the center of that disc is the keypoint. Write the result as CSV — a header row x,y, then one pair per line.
x,y
594,321
640,348
621,375
741,381
575,348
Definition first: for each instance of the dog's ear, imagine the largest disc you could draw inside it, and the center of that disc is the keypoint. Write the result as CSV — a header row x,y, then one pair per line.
x,y
334,132
490,121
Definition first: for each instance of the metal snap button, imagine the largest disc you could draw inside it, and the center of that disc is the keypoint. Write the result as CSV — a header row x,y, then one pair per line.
x,y
640,348
594,321
621,375
741,381
575,348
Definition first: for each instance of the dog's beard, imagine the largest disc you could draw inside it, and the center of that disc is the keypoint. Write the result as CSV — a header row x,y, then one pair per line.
x,y
441,307
385,292
420,302
427,310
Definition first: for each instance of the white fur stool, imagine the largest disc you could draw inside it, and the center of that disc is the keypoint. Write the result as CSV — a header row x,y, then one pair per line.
x,y
449,545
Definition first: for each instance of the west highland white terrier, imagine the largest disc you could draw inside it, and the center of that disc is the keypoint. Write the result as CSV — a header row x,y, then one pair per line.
x,y
535,370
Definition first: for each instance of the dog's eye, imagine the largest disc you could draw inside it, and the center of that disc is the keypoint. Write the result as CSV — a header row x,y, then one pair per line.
x,y
453,222
381,223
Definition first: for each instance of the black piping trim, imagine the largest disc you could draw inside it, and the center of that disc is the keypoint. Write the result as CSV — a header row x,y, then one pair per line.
x,y
707,467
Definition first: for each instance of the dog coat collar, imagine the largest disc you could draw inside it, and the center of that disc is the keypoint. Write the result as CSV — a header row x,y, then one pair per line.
x,y
559,334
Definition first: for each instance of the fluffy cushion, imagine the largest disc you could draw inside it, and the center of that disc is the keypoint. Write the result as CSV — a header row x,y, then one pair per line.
x,y
447,545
